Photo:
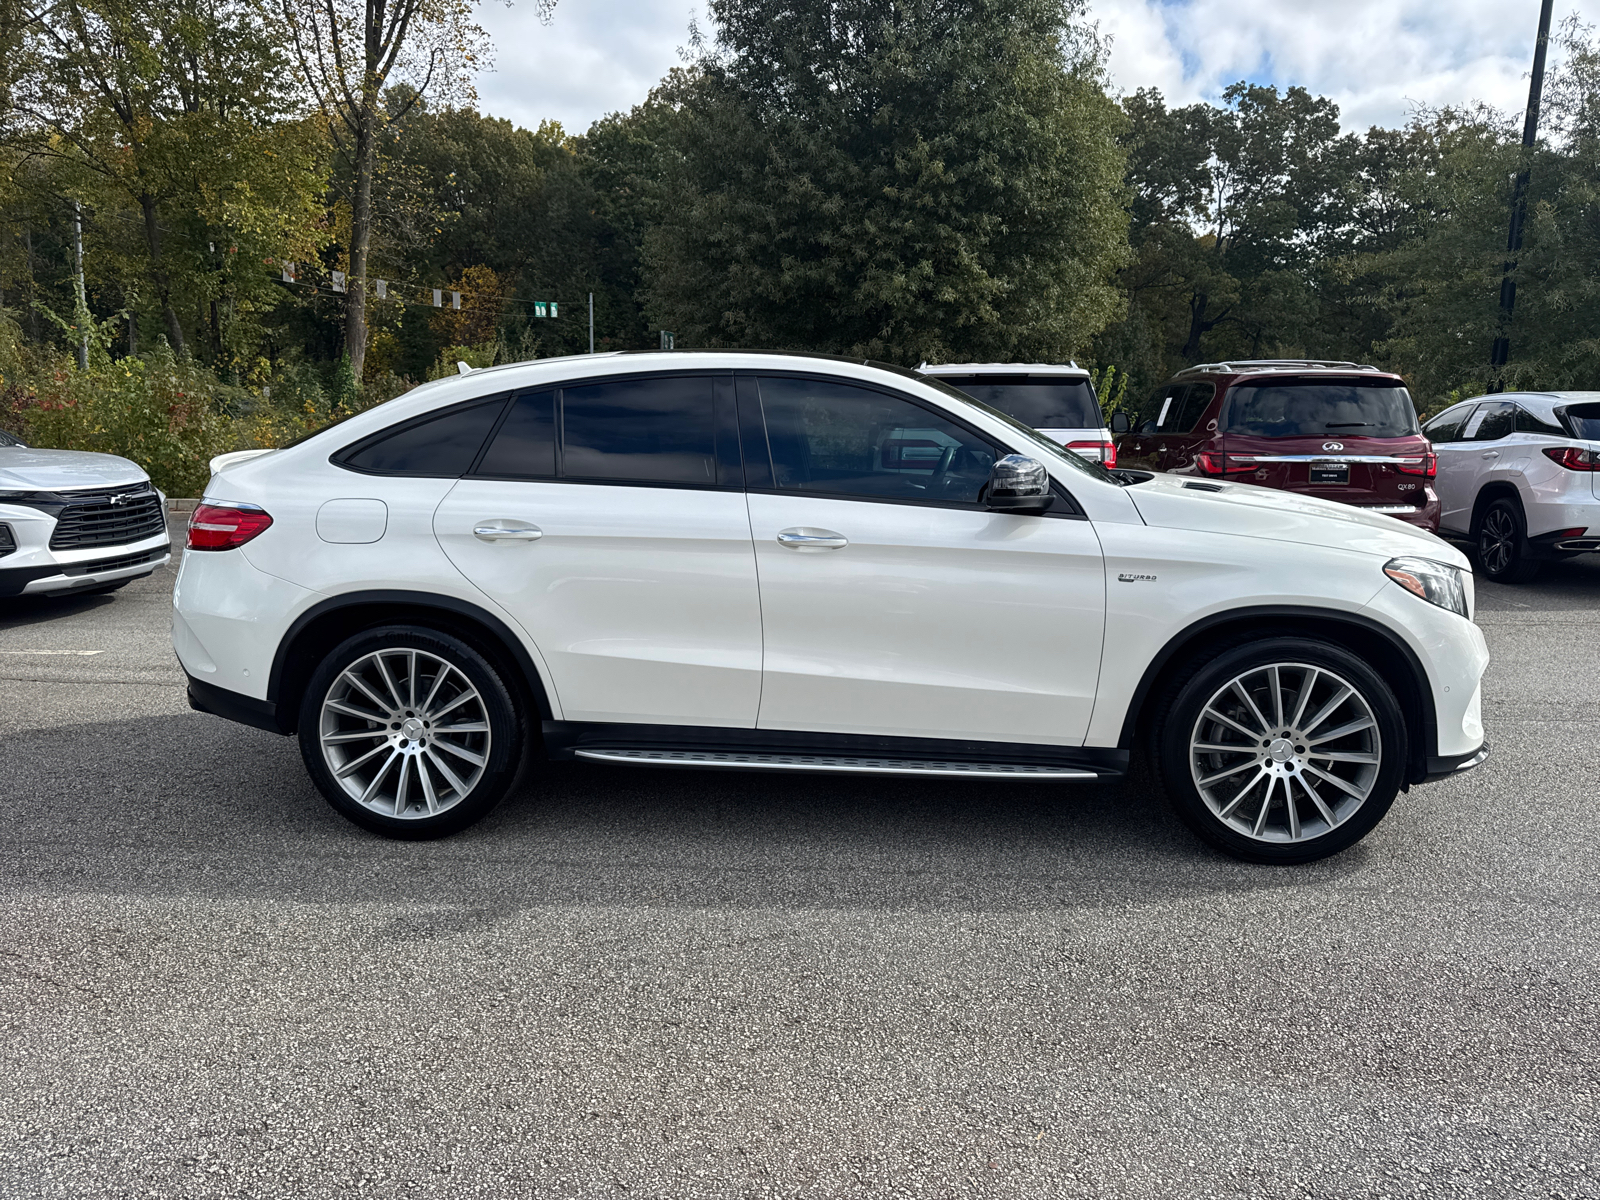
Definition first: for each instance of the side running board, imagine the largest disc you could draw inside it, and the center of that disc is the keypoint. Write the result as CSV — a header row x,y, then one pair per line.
x,y
834,763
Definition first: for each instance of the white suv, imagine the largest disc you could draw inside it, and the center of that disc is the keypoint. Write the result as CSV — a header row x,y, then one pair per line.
x,y
1057,400
1519,475
759,561
76,523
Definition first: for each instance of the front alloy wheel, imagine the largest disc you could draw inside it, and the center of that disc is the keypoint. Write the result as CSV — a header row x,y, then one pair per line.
x,y
409,732
1503,550
1282,750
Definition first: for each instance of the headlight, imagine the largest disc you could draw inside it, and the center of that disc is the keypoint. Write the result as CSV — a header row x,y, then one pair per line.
x,y
1436,582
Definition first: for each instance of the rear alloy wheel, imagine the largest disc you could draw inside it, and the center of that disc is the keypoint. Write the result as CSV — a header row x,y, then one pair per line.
x,y
1283,751
1503,551
410,733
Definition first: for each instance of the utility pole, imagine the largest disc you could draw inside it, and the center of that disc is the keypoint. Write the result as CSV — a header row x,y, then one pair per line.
x,y
82,315
591,322
1501,354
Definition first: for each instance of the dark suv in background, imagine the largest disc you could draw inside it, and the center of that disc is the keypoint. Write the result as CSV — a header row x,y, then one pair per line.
x,y
1338,430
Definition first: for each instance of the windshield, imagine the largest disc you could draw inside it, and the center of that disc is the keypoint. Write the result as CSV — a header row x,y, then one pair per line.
x,y
1050,449
1584,421
1043,401
1293,408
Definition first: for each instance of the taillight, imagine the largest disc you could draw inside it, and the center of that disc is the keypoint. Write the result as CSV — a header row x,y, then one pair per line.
x,y
1105,453
1573,458
224,526
1221,464
1426,465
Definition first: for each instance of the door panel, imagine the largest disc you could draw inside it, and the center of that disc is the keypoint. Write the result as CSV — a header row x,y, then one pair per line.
x,y
929,622
642,600
1456,481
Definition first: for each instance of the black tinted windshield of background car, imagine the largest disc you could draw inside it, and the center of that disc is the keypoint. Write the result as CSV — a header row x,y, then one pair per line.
x,y
1583,420
1317,408
1040,401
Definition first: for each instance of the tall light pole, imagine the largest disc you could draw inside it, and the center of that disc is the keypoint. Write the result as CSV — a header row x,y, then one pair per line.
x,y
1501,353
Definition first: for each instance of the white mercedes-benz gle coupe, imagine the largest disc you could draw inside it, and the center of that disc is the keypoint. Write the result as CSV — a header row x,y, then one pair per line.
x,y
726,560
75,522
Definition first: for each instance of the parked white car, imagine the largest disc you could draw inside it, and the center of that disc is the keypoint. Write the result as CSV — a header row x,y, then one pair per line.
x,y
1056,399
771,562
74,522
1519,475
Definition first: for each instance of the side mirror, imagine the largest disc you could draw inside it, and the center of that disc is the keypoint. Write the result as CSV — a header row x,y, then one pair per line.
x,y
1121,422
1018,484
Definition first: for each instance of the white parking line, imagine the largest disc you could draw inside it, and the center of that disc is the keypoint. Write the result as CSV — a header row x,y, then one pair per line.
x,y
79,653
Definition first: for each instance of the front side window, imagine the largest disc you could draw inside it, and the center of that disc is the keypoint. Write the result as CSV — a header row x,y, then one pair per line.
x,y
442,446
1446,427
834,439
1042,401
1320,408
659,430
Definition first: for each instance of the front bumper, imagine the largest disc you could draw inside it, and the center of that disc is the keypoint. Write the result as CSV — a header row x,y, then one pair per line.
x,y
112,564
1455,764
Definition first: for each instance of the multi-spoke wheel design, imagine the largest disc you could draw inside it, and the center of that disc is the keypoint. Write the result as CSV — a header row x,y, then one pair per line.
x,y
1498,540
1282,748
404,733
1285,752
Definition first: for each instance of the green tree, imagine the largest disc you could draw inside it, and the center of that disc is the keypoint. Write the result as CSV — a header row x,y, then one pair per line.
x,y
910,180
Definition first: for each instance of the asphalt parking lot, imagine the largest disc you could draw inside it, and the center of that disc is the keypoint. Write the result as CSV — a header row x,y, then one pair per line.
x,y
635,983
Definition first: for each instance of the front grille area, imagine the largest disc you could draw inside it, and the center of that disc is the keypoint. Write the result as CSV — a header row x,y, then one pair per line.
x,y
92,519
116,564
8,541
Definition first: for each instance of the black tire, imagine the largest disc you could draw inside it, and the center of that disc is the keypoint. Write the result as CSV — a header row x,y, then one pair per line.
x,y
1281,834
438,789
1504,555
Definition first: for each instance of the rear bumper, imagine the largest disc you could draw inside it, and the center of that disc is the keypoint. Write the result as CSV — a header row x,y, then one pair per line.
x,y
219,702
1455,764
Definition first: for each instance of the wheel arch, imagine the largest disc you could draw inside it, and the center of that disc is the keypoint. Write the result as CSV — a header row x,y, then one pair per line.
x,y
325,624
1499,489
1374,643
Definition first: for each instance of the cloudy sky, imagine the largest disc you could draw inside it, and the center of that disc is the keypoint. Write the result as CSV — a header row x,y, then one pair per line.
x,y
1377,58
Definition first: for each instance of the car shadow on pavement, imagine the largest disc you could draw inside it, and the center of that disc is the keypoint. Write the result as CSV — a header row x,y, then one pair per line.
x,y
189,805
19,612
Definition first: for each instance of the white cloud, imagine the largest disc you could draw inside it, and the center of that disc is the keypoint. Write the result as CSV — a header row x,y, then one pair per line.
x,y
1378,59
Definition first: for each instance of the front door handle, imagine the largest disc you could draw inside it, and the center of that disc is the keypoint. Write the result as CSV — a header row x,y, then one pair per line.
x,y
507,531
1491,454
804,538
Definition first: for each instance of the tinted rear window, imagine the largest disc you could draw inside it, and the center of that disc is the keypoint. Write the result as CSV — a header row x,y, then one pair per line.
x,y
640,430
525,447
1584,419
1317,408
1041,401
442,446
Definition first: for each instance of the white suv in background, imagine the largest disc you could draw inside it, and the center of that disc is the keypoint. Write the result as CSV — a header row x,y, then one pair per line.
x,y
73,522
1059,401
778,562
1519,475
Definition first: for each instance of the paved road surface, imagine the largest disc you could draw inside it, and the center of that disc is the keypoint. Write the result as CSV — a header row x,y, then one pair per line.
x,y
629,983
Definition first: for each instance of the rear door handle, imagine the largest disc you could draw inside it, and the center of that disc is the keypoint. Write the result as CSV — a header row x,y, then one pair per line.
x,y
803,538
507,531
1491,454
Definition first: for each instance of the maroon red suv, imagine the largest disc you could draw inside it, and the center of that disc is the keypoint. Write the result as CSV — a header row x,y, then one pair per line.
x,y
1338,430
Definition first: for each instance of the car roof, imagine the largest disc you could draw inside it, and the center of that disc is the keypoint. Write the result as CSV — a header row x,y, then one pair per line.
x,y
1245,367
1544,402
1069,369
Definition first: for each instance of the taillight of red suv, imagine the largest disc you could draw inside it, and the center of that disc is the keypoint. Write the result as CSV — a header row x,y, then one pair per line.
x,y
1224,464
224,526
1426,465
1573,458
